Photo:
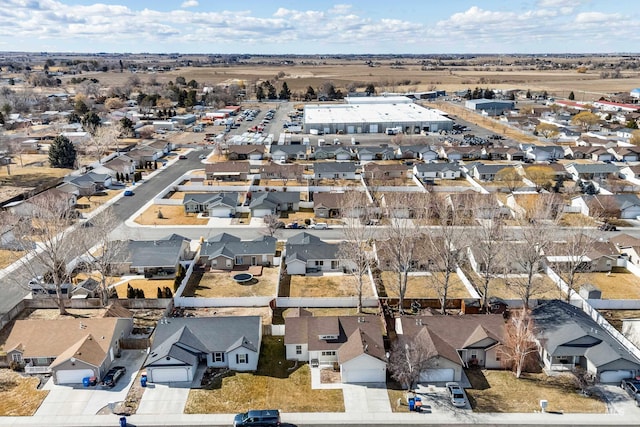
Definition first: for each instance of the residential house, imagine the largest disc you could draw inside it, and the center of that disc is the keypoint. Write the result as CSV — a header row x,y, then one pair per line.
x,y
246,152
425,153
331,152
578,152
601,154
457,153
332,205
226,252
215,205
543,153
161,145
354,343
627,172
628,246
624,206
181,344
505,153
283,153
627,154
433,171
307,254
372,153
567,338
383,172
122,164
591,171
273,170
158,259
68,349
600,256
334,170
87,184
49,202
227,171
142,155
273,202
454,343
486,172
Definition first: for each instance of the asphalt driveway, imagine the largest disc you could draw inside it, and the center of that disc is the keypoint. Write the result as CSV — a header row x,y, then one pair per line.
x,y
72,400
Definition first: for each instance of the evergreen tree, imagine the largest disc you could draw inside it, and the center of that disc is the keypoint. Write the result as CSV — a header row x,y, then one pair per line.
x,y
370,89
160,293
285,93
62,153
571,96
311,94
260,93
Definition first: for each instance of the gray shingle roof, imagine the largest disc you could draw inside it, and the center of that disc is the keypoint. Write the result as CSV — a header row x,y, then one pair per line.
x,y
305,246
155,253
273,198
212,199
231,246
333,167
185,337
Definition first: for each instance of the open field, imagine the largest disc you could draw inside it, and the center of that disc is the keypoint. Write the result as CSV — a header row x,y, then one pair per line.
x,y
424,286
328,286
501,391
171,215
620,284
409,75
19,395
36,170
220,284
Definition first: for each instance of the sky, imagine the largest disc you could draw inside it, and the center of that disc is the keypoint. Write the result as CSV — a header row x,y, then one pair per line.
x,y
321,27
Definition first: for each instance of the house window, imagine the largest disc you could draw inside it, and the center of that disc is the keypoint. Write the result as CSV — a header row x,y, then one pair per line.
x,y
319,263
218,357
298,349
239,261
16,357
242,358
497,358
328,353
214,262
474,354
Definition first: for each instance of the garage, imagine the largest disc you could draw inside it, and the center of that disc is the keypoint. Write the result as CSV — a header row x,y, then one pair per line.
x,y
437,375
168,375
221,212
615,376
73,376
363,376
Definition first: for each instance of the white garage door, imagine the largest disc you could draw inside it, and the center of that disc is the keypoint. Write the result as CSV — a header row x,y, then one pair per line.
x,y
364,376
167,375
72,376
219,212
615,376
437,375
373,128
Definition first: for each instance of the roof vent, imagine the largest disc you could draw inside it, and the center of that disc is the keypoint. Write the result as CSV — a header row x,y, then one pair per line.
x,y
419,322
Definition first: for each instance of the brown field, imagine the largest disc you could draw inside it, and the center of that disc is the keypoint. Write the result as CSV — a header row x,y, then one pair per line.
x,y
620,284
423,286
220,284
499,287
8,257
87,204
171,215
149,287
19,396
35,171
327,286
587,86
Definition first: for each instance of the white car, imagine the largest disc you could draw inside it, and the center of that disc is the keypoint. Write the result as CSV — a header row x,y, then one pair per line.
x,y
457,395
319,226
202,156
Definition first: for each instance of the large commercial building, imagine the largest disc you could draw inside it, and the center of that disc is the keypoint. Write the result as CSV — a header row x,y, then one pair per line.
x,y
491,107
373,114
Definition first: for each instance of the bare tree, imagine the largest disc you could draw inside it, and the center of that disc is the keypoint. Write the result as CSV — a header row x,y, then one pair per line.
x,y
401,238
509,177
518,347
104,138
273,223
443,245
409,358
355,250
535,235
100,250
47,239
489,251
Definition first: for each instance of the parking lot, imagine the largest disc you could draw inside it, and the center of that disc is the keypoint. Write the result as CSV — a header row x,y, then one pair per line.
x,y
79,400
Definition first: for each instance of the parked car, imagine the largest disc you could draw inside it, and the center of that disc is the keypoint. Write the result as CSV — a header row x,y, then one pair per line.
x,y
632,387
319,226
113,375
202,156
182,157
607,227
263,418
295,225
457,395
128,193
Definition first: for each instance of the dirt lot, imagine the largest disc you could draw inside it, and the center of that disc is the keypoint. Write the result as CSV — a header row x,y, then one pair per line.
x,y
327,286
19,395
171,215
35,171
423,286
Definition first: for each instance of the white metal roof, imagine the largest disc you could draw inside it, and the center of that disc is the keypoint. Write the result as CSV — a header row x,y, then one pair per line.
x,y
370,113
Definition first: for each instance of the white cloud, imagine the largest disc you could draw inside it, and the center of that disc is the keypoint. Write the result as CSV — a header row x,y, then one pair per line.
x,y
189,3
597,18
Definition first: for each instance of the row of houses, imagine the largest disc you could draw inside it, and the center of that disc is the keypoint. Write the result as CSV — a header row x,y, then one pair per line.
x,y
73,349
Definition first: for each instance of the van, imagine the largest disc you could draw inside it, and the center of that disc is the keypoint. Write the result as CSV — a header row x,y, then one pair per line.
x,y
261,418
319,226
